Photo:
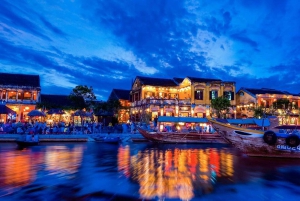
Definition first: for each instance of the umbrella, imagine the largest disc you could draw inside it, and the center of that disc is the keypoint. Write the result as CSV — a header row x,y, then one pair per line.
x,y
56,111
6,110
36,113
82,113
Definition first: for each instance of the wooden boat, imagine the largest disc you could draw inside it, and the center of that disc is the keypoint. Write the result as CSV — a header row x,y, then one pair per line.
x,y
22,143
109,140
181,137
28,141
268,143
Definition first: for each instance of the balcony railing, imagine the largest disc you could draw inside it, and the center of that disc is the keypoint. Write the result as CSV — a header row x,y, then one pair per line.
x,y
161,102
19,101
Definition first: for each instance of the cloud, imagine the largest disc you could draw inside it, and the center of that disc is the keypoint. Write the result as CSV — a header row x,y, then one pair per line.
x,y
11,15
51,27
106,44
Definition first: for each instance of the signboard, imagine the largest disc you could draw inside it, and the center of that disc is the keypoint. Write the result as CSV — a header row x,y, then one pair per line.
x,y
287,148
184,108
169,109
155,109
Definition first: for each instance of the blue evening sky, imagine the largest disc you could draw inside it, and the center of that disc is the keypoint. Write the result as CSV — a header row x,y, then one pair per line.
x,y
107,43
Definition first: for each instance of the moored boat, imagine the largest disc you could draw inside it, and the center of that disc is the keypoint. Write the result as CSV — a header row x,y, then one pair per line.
x,y
182,130
181,137
28,140
109,140
268,143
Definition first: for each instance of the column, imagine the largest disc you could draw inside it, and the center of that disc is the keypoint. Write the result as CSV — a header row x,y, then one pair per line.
x,y
38,96
17,95
1,94
6,97
31,96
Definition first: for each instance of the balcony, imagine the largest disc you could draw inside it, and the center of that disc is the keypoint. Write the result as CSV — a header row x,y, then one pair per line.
x,y
19,101
161,102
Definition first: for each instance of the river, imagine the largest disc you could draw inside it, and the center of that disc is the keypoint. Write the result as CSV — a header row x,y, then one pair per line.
x,y
143,171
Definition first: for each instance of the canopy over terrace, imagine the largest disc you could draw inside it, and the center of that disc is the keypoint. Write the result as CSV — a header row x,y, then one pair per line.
x,y
259,122
5,113
181,119
6,110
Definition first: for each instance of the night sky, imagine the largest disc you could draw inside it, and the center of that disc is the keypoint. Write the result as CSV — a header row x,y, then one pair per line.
x,y
107,43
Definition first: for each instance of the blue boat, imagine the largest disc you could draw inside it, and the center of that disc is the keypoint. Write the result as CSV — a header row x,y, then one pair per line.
x,y
107,139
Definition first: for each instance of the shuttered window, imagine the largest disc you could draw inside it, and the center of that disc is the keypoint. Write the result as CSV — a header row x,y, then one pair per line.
x,y
199,94
213,95
229,95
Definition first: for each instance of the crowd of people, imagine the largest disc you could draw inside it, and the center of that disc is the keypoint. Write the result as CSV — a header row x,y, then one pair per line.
x,y
88,127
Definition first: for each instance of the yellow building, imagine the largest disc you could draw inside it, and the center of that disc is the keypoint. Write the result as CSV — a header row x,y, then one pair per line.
x,y
250,98
20,93
188,96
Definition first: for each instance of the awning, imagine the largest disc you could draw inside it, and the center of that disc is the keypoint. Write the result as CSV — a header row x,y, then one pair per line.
x,y
262,122
259,122
182,119
200,109
6,110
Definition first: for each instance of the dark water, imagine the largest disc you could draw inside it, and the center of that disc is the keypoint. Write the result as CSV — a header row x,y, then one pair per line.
x,y
142,171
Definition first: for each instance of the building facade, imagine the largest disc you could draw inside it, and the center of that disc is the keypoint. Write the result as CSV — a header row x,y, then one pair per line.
x,y
269,101
20,93
177,97
121,95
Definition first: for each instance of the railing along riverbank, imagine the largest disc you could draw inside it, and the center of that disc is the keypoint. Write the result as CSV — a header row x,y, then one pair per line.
x,y
79,137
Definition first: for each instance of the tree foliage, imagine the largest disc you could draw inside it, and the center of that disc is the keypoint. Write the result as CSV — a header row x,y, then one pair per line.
x,y
258,112
109,106
220,104
82,96
281,103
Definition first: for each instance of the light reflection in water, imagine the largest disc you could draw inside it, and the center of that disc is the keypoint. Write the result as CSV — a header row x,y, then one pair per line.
x,y
63,161
19,168
175,173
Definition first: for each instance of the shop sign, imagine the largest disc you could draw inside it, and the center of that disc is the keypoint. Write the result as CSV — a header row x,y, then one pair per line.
x,y
288,148
169,109
184,108
154,109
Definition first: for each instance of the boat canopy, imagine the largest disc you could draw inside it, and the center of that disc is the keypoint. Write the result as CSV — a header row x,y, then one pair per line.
x,y
182,119
259,122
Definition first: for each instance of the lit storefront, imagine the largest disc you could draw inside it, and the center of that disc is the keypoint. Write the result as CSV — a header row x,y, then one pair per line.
x,y
188,97
273,102
20,93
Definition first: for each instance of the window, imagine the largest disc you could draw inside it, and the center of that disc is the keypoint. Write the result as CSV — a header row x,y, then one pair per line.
x,y
241,93
229,95
199,94
213,94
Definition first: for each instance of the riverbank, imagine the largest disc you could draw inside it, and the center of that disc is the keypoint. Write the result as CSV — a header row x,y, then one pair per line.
x,y
71,138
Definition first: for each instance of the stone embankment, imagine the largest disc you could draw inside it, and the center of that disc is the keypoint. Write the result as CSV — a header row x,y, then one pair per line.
x,y
71,137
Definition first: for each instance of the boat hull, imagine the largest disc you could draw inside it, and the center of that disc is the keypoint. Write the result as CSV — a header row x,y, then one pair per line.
x,y
185,138
21,143
115,140
251,141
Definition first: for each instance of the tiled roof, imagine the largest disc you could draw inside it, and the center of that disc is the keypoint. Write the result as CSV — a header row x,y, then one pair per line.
x,y
263,91
121,94
195,79
57,101
178,80
156,81
20,80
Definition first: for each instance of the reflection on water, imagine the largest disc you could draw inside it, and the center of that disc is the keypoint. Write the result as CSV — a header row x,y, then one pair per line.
x,y
176,173
63,161
97,171
21,167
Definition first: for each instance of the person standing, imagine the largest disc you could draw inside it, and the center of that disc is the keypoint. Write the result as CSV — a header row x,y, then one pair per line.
x,y
132,128
155,122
